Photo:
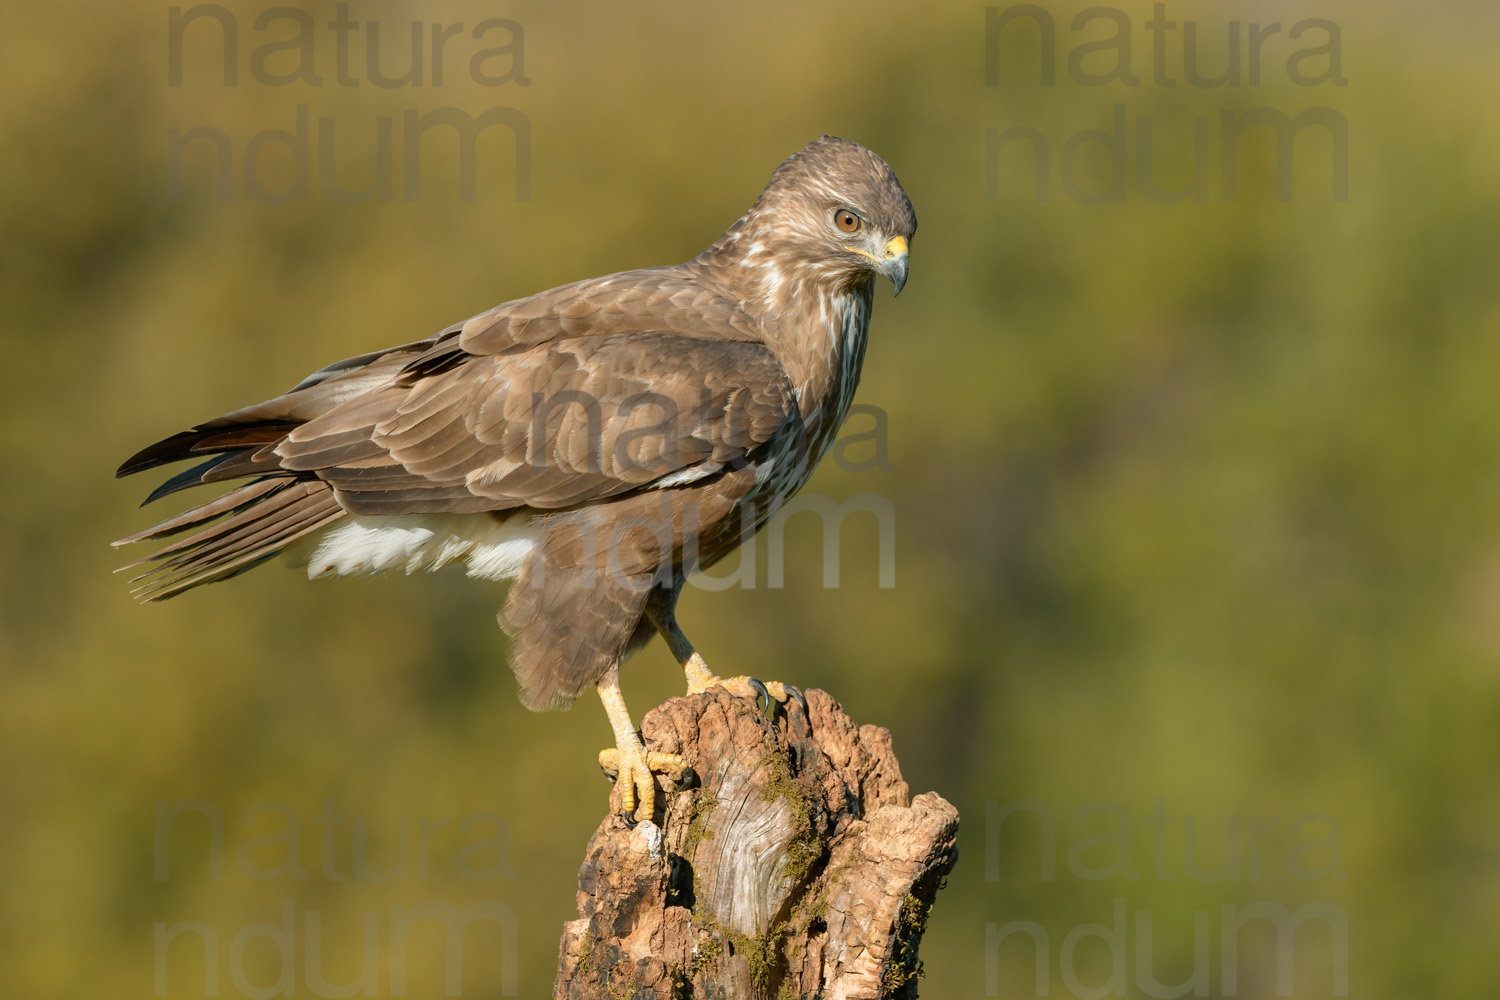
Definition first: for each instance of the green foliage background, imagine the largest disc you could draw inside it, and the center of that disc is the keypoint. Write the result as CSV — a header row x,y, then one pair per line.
x,y
1195,503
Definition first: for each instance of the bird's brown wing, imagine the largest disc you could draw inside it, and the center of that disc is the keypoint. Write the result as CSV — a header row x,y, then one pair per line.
x,y
654,300
547,427
584,392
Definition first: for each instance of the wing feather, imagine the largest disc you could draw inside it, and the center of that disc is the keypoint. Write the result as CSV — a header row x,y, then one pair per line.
x,y
553,426
637,381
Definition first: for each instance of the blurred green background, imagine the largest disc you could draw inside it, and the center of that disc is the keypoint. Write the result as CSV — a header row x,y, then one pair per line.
x,y
1194,503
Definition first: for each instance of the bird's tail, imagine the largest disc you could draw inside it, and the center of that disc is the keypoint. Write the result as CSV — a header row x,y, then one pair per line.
x,y
257,519
236,532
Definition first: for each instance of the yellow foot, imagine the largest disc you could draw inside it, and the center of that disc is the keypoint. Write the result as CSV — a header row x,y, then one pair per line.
x,y
632,766
769,693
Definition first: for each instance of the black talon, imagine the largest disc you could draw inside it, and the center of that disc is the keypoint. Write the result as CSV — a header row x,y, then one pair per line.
x,y
605,771
763,698
801,698
630,821
688,780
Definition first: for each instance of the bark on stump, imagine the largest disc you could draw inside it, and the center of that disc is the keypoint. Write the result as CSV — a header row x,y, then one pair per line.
x,y
799,866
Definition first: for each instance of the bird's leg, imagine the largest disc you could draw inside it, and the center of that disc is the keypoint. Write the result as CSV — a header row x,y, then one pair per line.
x,y
700,678
628,762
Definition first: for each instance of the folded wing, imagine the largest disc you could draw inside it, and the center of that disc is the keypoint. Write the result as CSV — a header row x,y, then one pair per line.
x,y
579,395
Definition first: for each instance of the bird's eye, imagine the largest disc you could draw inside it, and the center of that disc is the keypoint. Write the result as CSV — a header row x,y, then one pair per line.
x,y
847,220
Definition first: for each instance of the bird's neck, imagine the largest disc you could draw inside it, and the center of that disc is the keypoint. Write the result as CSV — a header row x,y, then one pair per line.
x,y
813,317
820,330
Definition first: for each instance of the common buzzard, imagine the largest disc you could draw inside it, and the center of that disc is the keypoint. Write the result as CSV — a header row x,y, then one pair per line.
x,y
595,443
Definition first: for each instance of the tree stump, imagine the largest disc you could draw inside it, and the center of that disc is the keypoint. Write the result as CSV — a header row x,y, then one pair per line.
x,y
798,867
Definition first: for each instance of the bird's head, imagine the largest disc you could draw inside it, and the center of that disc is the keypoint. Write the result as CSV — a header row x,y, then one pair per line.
x,y
833,208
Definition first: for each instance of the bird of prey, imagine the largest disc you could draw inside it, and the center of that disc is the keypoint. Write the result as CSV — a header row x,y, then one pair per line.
x,y
595,444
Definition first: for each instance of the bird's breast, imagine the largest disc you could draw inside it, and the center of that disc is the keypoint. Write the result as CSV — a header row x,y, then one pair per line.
x,y
825,369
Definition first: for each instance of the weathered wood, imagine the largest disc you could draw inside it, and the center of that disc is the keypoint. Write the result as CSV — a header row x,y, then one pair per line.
x,y
799,866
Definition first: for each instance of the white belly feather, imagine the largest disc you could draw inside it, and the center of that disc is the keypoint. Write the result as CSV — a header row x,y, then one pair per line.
x,y
356,546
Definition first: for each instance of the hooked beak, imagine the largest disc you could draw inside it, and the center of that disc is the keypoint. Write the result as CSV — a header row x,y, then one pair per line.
x,y
894,264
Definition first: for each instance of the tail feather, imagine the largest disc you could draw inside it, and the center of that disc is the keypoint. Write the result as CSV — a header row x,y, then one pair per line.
x,y
256,532
265,520
233,500
242,517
